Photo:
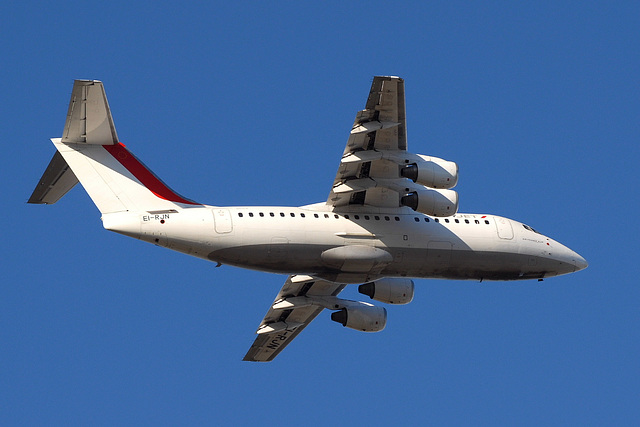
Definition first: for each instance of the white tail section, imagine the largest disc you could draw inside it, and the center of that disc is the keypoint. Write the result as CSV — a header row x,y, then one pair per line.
x,y
114,178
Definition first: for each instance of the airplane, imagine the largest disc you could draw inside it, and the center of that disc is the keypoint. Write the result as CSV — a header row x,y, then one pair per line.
x,y
390,216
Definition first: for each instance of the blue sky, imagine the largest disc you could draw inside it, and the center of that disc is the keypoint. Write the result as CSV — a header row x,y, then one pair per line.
x,y
243,103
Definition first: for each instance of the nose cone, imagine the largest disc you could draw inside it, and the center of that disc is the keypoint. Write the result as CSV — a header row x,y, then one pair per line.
x,y
580,262
572,260
567,261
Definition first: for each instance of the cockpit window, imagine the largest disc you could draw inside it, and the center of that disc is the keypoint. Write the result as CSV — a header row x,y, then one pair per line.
x,y
530,228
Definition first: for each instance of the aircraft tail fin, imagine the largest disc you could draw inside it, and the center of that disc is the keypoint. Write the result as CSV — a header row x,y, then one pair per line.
x,y
89,152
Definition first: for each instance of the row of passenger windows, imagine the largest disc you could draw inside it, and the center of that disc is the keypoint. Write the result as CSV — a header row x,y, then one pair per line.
x,y
366,217
456,220
315,215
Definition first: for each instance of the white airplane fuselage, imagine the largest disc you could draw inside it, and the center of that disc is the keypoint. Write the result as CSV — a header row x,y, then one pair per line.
x,y
356,246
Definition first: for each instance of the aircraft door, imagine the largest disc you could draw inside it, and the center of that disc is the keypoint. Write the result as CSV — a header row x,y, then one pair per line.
x,y
222,221
503,226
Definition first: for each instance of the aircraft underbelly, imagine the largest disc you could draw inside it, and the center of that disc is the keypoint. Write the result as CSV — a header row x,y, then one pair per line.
x,y
436,261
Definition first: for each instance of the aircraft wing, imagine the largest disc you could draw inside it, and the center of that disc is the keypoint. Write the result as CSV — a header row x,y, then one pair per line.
x,y
378,131
289,314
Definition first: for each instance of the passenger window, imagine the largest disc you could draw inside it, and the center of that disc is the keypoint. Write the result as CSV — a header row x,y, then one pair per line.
x,y
397,218
315,215
416,219
272,214
426,219
346,217
366,217
240,214
292,214
446,220
302,215
326,215
251,214
486,221
466,221
457,221
377,218
261,214
477,222
436,220
356,216
336,216
386,218
282,214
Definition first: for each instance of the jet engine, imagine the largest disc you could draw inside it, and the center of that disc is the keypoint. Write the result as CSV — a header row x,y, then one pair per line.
x,y
432,202
432,172
390,291
366,318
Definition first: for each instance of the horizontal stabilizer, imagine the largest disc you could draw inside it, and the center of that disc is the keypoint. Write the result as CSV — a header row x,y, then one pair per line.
x,y
89,118
56,181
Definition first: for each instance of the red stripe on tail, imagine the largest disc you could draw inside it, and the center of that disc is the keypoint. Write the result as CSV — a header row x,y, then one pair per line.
x,y
144,175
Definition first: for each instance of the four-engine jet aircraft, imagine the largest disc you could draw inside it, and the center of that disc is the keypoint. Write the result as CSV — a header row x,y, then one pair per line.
x,y
390,216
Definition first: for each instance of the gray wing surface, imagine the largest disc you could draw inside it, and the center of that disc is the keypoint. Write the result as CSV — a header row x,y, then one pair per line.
x,y
378,129
285,320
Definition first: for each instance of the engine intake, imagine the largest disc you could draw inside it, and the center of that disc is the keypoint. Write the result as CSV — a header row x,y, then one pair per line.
x,y
432,202
362,318
432,172
390,291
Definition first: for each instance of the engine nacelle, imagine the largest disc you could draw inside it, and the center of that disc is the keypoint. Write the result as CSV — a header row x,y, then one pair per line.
x,y
366,318
390,291
432,202
432,172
